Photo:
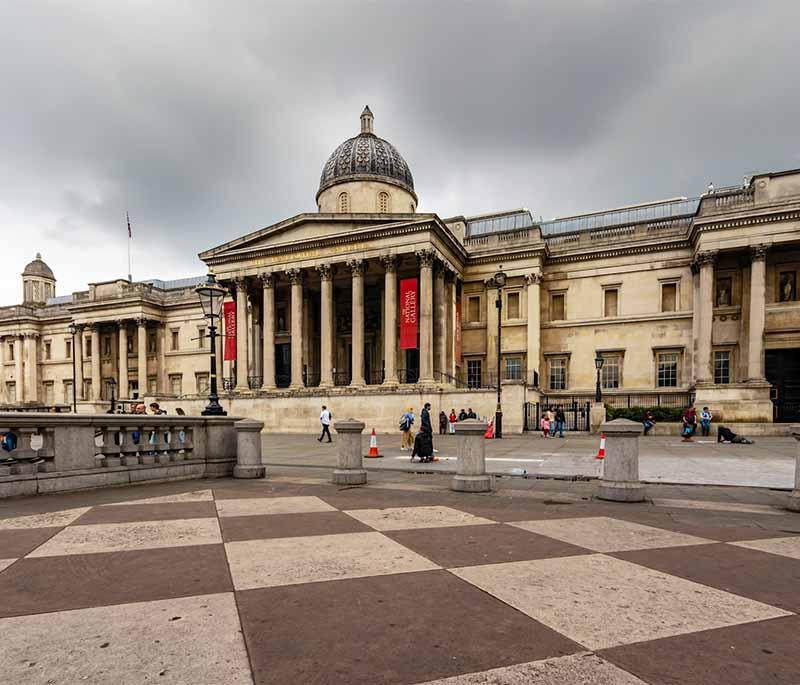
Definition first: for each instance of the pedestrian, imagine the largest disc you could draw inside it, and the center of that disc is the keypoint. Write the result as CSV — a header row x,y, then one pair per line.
x,y
471,414
423,443
561,419
689,419
544,424
551,417
325,419
705,421
406,425
452,419
442,423
462,415
648,421
156,409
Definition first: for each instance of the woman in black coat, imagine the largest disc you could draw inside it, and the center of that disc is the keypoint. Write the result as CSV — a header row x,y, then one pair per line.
x,y
423,443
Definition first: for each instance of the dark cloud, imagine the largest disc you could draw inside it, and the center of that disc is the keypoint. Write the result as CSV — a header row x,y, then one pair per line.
x,y
207,120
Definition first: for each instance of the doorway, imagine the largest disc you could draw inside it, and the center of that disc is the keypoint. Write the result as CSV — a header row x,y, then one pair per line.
x,y
782,369
283,365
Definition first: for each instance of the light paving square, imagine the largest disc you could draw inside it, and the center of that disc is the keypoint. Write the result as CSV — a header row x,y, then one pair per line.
x,y
196,496
575,669
603,602
785,547
271,505
187,640
291,561
49,520
120,537
603,534
407,518
5,563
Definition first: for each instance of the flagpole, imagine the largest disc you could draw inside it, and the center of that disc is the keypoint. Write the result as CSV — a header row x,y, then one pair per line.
x,y
130,276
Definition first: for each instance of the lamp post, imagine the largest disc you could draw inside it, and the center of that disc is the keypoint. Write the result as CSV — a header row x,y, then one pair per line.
x,y
113,384
499,281
211,295
73,329
598,364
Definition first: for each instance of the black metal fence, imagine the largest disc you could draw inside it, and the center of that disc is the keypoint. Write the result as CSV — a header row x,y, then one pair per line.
x,y
576,414
646,400
785,411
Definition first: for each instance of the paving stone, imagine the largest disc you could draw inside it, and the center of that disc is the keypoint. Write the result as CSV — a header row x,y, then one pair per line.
x,y
194,496
5,563
406,518
288,525
156,511
19,542
787,547
271,505
46,520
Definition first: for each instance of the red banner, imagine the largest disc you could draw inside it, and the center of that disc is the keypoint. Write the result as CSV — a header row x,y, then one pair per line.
x,y
229,317
409,313
458,333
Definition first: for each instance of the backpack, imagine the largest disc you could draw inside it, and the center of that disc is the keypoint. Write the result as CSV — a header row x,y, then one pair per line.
x,y
404,424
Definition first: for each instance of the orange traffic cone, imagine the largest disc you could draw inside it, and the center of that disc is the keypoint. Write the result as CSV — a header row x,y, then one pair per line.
x,y
489,434
601,453
373,445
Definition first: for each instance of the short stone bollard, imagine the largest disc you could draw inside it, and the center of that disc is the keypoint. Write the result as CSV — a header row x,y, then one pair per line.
x,y
794,497
350,470
620,481
248,449
471,473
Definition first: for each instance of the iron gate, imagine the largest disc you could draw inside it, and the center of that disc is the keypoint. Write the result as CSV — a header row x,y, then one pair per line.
x,y
576,415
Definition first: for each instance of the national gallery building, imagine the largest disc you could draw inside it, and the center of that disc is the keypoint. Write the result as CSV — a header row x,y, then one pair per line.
x,y
369,307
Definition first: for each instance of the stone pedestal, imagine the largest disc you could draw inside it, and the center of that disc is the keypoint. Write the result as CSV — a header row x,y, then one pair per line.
x,y
620,481
597,417
471,468
349,471
248,449
794,497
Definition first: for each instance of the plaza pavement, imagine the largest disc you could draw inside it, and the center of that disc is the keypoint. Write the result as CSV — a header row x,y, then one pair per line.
x,y
293,580
768,463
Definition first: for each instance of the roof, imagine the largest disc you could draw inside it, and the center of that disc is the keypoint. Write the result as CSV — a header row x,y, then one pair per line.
x,y
38,268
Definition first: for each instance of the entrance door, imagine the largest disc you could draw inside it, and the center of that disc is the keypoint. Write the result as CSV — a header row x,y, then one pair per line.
x,y
411,373
782,369
283,365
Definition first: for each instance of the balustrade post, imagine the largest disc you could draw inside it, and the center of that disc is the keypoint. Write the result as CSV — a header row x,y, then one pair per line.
x,y
175,443
471,473
110,449
162,445
127,448
148,438
248,449
349,471
620,480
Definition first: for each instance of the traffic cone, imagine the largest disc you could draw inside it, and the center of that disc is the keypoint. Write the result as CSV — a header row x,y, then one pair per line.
x,y
601,453
489,434
373,445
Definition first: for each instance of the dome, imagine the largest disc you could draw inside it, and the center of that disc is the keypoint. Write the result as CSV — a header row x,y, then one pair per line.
x,y
366,157
38,268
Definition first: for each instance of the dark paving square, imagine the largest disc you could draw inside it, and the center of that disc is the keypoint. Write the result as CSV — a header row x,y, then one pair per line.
x,y
19,542
405,628
168,511
478,545
522,509
767,578
762,653
262,527
369,498
78,581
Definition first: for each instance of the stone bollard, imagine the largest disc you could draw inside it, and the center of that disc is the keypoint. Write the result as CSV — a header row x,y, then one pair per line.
x,y
350,471
248,449
471,468
794,497
620,481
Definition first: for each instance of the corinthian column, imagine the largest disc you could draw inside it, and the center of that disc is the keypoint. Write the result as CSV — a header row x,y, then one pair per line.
x,y
241,335
534,281
358,267
122,382
78,352
326,272
755,355
268,324
440,322
389,263
31,368
705,308
141,369
426,258
296,279
96,380
19,380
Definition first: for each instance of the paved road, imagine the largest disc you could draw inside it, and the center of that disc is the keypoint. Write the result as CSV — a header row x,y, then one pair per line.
x,y
768,463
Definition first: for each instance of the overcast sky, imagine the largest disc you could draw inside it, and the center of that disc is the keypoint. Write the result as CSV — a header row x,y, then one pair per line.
x,y
207,120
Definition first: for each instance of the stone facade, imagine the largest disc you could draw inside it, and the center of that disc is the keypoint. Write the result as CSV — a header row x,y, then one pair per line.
x,y
678,297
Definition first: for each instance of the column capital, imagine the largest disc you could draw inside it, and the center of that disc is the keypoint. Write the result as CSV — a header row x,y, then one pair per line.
x,y
80,326
94,326
326,271
758,252
708,257
267,279
357,266
30,335
534,278
296,276
426,258
239,284
142,321
389,262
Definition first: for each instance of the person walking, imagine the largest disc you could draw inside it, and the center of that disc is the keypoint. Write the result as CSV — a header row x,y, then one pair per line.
x,y
442,423
544,424
705,422
325,419
407,434
551,417
452,419
561,419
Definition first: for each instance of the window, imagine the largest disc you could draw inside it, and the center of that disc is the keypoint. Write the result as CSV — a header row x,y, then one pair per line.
x,y
383,202
558,373
47,349
513,370
133,389
787,286
610,301
67,392
176,384
558,310
611,373
87,389
173,339
201,381
11,352
512,305
151,343
129,343
722,367
69,348
49,394
152,385
201,337
474,309
88,347
474,373
344,202
11,391
669,297
667,369
107,346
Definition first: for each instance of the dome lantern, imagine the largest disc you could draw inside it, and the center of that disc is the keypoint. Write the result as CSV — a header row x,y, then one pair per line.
x,y
38,282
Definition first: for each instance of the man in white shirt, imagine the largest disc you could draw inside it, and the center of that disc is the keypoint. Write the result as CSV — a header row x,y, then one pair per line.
x,y
325,420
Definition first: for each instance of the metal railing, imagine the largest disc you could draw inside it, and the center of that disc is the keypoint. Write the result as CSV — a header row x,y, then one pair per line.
x,y
254,382
229,383
644,400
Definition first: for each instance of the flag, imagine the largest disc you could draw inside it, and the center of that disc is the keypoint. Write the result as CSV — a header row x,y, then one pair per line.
x,y
130,235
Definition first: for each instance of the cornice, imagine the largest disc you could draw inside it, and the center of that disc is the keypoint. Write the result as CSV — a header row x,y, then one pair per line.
x,y
678,244
506,255
718,224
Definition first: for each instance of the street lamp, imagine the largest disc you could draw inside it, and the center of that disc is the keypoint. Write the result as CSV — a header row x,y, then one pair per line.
x,y
73,329
598,364
113,384
211,295
499,281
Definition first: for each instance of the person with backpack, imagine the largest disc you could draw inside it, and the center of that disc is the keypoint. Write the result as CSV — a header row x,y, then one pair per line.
x,y
407,435
689,419
705,422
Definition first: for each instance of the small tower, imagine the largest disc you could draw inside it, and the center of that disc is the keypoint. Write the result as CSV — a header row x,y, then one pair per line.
x,y
38,283
366,120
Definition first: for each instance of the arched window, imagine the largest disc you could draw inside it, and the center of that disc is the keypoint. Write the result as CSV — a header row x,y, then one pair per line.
x,y
383,202
344,202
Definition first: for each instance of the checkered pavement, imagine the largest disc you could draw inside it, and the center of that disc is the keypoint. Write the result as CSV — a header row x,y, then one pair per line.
x,y
280,583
